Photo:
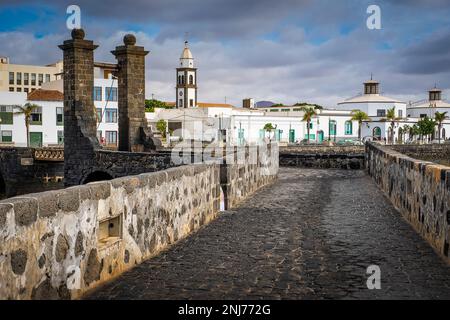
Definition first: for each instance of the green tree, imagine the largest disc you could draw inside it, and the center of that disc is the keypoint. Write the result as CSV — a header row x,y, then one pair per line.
x,y
426,126
414,131
151,105
306,104
27,110
360,116
308,113
161,126
392,118
268,127
439,117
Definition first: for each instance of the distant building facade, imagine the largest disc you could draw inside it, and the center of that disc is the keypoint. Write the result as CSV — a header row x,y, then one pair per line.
x,y
26,78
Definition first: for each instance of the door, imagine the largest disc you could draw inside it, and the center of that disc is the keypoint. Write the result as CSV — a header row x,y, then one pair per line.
x,y
277,135
320,136
261,134
291,135
241,136
35,139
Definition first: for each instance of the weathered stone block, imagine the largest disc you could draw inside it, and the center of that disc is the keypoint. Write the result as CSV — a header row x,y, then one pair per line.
x,y
19,261
69,199
25,210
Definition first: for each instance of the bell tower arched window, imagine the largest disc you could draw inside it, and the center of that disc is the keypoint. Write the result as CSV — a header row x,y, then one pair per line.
x,y
191,79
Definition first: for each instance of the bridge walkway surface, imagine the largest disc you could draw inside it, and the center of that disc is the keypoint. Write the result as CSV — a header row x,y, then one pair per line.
x,y
310,235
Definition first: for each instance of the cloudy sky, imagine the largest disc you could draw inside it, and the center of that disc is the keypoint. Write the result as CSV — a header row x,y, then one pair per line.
x,y
285,51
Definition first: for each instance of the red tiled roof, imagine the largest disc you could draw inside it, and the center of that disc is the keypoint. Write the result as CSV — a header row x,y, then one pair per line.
x,y
45,95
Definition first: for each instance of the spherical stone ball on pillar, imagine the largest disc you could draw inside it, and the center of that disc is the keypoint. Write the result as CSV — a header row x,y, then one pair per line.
x,y
129,40
78,34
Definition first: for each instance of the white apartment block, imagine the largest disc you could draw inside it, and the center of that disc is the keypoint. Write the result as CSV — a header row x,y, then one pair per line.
x,y
47,120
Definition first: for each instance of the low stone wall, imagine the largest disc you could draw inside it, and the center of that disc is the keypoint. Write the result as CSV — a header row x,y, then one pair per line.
x,y
325,157
60,244
419,189
246,170
428,152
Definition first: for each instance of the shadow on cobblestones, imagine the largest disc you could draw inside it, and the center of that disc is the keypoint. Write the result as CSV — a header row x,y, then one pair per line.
x,y
311,235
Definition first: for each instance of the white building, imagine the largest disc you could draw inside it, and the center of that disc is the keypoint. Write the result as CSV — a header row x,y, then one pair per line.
x,y
47,120
373,103
222,122
429,107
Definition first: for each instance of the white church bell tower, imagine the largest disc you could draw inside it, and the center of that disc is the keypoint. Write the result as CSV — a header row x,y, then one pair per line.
x,y
186,80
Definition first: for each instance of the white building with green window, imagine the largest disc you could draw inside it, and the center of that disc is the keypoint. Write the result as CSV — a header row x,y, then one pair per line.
x,y
47,119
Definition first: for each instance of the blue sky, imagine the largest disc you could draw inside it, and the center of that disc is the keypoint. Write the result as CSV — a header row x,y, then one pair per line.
x,y
285,51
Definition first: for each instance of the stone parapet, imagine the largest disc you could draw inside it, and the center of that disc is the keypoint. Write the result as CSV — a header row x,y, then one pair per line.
x,y
419,189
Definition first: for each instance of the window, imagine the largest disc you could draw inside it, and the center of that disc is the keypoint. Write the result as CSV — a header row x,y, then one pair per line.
x,y
25,90
179,79
41,79
36,116
111,115
285,110
59,116
191,102
11,78
47,78
400,113
19,89
99,115
274,110
381,113
310,125
423,115
26,78
6,114
111,94
297,109
6,136
60,137
11,89
33,79
111,137
180,103
191,79
19,78
97,94
348,128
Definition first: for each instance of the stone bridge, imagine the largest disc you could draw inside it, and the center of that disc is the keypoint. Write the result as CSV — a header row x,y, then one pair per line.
x,y
310,235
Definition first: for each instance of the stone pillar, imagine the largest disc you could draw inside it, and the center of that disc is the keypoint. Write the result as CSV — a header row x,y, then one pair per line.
x,y
80,124
133,127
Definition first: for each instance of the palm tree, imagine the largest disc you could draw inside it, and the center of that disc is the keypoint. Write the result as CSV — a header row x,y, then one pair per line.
x,y
268,127
308,114
440,117
27,110
406,129
360,116
392,118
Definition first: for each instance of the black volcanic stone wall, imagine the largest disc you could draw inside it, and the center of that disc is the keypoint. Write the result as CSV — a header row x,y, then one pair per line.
x,y
323,157
21,174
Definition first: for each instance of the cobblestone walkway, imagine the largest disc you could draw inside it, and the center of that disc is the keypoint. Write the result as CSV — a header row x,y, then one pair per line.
x,y
311,235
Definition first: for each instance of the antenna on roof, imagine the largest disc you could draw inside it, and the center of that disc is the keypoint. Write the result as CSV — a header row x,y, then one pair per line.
x,y
186,36
371,76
